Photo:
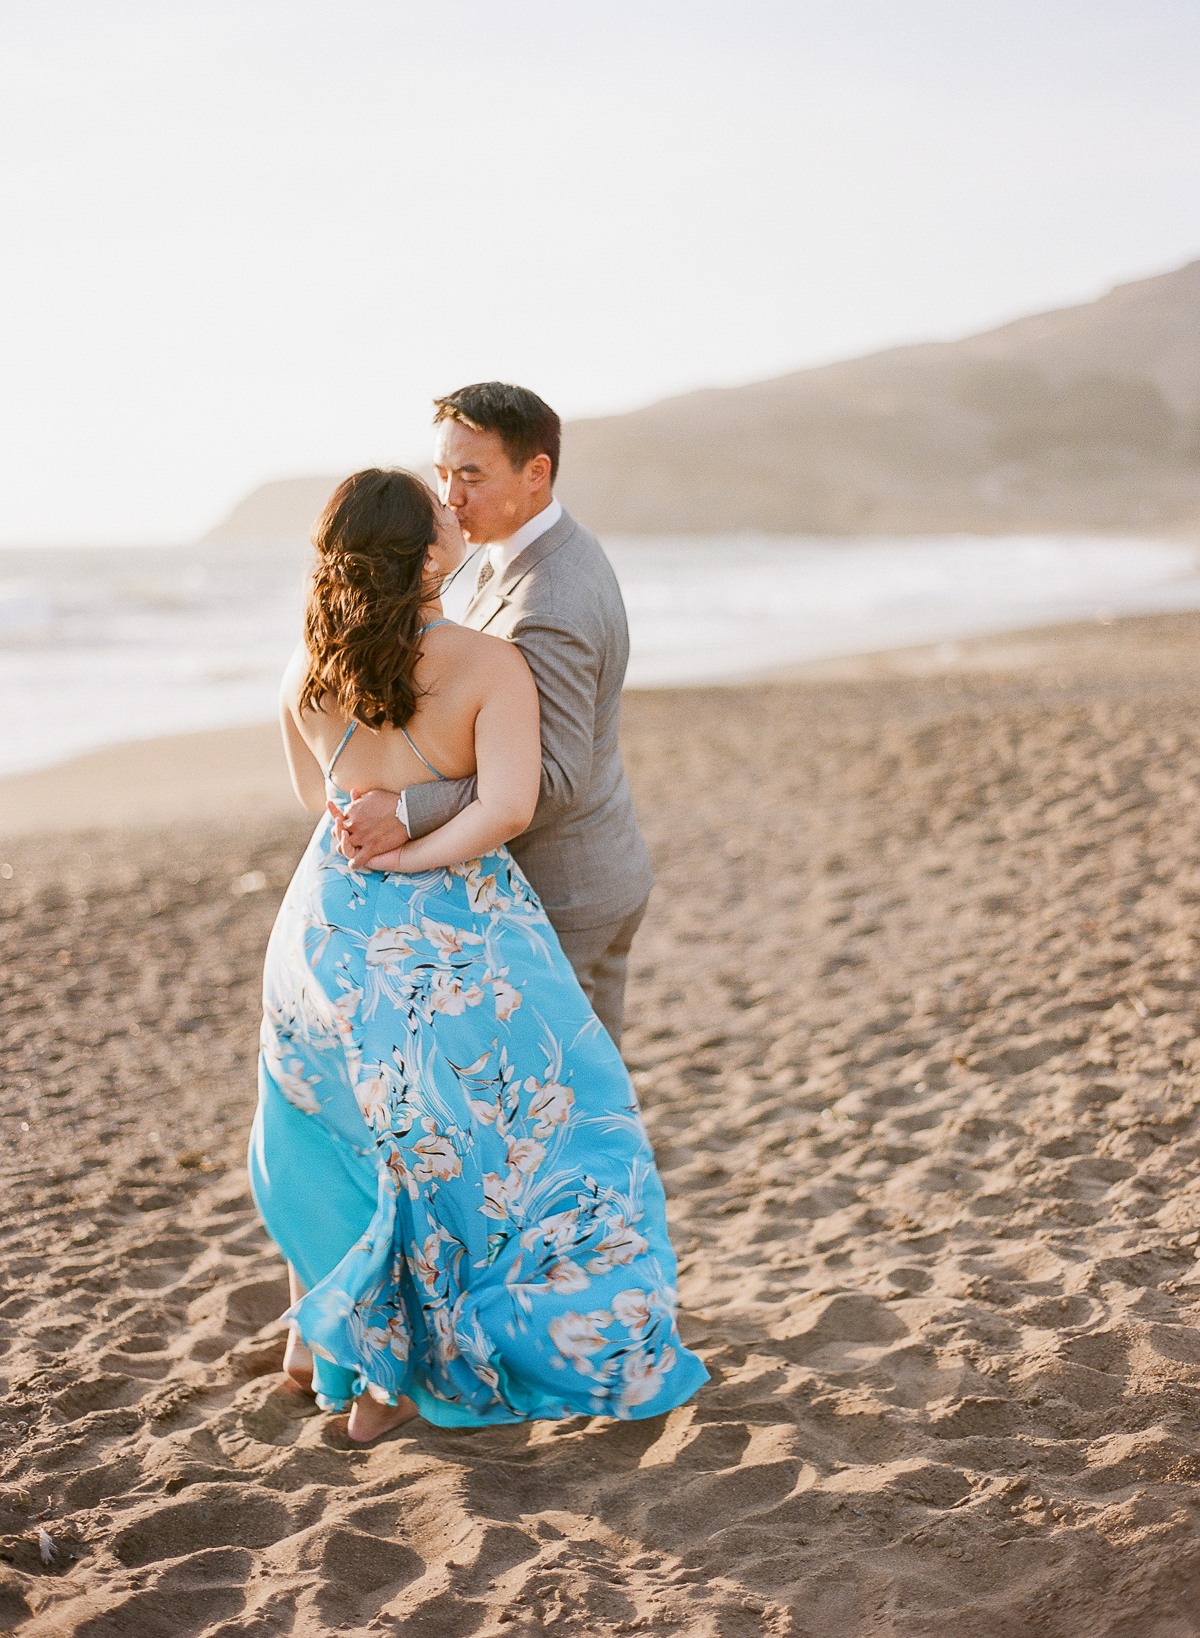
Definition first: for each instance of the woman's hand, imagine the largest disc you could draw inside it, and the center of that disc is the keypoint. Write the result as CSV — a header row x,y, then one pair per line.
x,y
370,822
390,862
351,852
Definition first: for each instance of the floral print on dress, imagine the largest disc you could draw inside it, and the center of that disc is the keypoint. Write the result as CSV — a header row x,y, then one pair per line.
x,y
517,1263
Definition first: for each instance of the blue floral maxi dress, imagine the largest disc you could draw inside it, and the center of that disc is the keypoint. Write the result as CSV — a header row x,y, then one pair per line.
x,y
448,1149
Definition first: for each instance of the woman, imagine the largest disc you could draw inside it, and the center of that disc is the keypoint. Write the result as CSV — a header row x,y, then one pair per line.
x,y
447,1146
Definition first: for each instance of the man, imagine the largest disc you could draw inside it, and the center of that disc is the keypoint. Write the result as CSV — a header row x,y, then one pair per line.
x,y
545,584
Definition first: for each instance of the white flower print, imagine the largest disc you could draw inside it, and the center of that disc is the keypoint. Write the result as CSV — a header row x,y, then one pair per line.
x,y
525,1155
643,1377
447,940
632,1308
495,1198
388,946
375,1338
549,1106
486,1112
477,1349
501,1194
298,1089
482,894
371,1097
403,1178
399,1340
567,1278
468,1071
443,1335
558,1230
392,1338
333,860
620,1245
344,1009
424,1262
439,1157
447,994
578,1335
508,999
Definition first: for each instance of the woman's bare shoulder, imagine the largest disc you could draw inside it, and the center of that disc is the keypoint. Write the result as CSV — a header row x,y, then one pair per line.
x,y
294,675
489,653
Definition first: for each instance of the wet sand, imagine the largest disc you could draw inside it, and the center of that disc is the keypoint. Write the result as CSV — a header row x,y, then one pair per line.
x,y
913,1021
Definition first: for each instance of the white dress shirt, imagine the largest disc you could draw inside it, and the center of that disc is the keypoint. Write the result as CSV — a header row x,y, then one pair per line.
x,y
503,552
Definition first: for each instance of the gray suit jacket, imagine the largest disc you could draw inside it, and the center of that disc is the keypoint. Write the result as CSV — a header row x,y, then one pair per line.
x,y
560,603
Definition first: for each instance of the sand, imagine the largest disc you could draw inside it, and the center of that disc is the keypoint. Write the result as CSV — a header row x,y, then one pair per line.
x,y
913,1023
153,782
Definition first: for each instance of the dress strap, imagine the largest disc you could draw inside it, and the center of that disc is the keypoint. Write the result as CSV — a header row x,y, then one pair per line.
x,y
421,758
342,747
421,633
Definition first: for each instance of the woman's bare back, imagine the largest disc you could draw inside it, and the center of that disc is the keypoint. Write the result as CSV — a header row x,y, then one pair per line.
x,y
457,670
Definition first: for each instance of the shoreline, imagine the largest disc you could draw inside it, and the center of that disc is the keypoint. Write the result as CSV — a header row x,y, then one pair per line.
x,y
221,773
210,776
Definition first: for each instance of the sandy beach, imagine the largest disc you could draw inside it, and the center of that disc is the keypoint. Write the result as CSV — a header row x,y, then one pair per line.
x,y
913,1022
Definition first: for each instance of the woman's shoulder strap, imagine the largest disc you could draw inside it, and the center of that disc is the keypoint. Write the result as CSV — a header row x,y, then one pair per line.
x,y
345,740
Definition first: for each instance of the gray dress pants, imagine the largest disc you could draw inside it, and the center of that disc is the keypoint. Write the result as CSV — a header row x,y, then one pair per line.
x,y
600,957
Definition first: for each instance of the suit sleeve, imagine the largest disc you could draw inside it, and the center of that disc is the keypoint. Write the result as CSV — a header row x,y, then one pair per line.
x,y
566,669
436,802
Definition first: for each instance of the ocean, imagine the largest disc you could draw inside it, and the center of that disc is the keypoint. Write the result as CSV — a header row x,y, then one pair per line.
x,y
103,645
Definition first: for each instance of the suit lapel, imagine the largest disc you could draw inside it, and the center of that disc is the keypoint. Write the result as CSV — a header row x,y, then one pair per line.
x,y
486,605
483,610
536,552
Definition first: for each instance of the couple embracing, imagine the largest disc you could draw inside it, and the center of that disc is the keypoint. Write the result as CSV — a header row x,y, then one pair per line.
x,y
447,1147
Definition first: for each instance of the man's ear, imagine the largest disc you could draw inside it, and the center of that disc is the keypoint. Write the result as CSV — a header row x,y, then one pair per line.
x,y
537,472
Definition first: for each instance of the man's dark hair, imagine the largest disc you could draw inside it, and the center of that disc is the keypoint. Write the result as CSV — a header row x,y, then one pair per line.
x,y
527,427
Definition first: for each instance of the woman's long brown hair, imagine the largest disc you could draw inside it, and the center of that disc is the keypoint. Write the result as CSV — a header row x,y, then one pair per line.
x,y
363,615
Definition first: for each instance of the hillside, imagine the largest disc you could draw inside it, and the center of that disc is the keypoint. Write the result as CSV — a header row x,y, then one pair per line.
x,y
280,511
1087,418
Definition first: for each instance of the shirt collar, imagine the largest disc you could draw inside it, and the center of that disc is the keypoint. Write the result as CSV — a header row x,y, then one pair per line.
x,y
503,552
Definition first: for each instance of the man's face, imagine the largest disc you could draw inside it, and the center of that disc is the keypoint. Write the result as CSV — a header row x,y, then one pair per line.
x,y
477,481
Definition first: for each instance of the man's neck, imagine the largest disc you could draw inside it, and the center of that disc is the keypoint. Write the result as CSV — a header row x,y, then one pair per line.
x,y
503,552
517,527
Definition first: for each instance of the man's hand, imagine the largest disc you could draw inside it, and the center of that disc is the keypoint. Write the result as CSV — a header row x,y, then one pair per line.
x,y
369,828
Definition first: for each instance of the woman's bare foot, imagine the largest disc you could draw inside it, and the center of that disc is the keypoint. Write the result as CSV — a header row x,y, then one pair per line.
x,y
298,1361
369,1420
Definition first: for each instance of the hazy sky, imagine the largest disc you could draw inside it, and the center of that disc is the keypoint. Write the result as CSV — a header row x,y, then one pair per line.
x,y
245,239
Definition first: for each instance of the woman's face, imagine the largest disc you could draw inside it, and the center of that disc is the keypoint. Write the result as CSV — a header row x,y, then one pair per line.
x,y
449,549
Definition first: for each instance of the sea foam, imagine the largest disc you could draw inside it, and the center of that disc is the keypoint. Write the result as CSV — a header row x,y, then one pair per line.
x,y
102,645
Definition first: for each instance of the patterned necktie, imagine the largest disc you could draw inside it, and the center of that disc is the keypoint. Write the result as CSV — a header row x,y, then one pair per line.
x,y
486,572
